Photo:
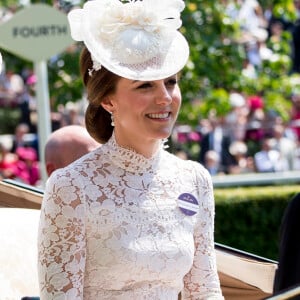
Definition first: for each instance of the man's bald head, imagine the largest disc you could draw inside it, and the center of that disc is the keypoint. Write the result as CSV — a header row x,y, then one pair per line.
x,y
67,144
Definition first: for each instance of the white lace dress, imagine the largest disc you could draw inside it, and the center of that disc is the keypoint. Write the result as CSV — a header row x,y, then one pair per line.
x,y
111,228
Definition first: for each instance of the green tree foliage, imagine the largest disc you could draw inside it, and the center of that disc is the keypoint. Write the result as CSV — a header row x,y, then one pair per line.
x,y
218,57
64,79
213,53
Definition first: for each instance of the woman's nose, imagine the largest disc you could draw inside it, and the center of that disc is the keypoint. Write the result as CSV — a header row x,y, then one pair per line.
x,y
163,95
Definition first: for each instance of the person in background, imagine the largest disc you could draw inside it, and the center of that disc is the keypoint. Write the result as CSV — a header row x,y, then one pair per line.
x,y
66,145
295,112
242,163
255,130
285,145
27,166
8,162
236,119
212,162
217,139
288,272
129,220
268,159
19,138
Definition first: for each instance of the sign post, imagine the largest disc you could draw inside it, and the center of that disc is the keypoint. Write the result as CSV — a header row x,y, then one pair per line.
x,y
44,119
37,33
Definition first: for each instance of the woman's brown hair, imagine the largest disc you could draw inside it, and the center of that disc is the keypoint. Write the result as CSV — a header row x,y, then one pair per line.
x,y
98,86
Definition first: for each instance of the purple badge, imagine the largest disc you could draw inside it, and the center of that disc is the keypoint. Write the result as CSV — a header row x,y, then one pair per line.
x,y
188,204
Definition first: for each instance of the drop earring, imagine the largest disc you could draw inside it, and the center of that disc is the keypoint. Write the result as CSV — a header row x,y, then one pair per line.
x,y
112,120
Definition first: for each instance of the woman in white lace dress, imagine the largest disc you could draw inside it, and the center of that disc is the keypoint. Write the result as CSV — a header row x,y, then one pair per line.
x,y
129,220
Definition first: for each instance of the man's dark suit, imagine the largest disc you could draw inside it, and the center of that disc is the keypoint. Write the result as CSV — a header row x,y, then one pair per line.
x,y
288,272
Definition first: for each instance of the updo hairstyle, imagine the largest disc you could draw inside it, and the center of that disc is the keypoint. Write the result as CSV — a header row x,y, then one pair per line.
x,y
98,86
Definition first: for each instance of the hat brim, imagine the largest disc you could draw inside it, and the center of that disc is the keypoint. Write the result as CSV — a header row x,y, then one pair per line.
x,y
158,67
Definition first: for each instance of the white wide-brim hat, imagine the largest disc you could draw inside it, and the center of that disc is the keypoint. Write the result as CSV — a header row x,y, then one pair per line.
x,y
138,40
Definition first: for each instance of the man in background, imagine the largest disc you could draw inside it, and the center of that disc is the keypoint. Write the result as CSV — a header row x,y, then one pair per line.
x,y
67,144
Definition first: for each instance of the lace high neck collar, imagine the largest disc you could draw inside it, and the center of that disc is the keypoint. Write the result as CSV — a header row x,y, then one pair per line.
x,y
129,159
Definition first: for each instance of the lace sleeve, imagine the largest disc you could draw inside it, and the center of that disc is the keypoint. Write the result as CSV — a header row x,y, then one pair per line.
x,y
202,282
61,240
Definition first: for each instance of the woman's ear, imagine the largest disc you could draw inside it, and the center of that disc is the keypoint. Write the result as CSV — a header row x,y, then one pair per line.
x,y
107,104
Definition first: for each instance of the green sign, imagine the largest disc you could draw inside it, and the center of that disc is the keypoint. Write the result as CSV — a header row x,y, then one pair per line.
x,y
36,33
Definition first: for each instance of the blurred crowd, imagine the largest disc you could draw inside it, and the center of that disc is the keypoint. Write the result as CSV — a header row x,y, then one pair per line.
x,y
247,139
251,138
19,152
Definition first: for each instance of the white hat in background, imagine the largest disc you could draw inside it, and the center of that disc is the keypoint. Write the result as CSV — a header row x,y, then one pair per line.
x,y
236,100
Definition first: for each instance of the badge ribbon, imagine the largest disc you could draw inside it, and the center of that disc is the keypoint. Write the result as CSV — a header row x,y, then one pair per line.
x,y
188,204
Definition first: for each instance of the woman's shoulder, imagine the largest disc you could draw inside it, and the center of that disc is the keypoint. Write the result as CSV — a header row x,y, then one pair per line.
x,y
185,164
187,171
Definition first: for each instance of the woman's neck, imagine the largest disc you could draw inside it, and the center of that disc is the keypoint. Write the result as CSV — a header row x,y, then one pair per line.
x,y
145,147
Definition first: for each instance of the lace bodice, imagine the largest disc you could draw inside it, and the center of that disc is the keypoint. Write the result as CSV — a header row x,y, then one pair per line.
x,y
111,228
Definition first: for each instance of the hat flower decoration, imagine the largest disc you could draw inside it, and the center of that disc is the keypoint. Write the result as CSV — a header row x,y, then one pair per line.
x,y
138,40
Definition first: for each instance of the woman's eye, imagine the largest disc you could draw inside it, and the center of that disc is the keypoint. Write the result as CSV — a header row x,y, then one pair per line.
x,y
172,82
144,85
